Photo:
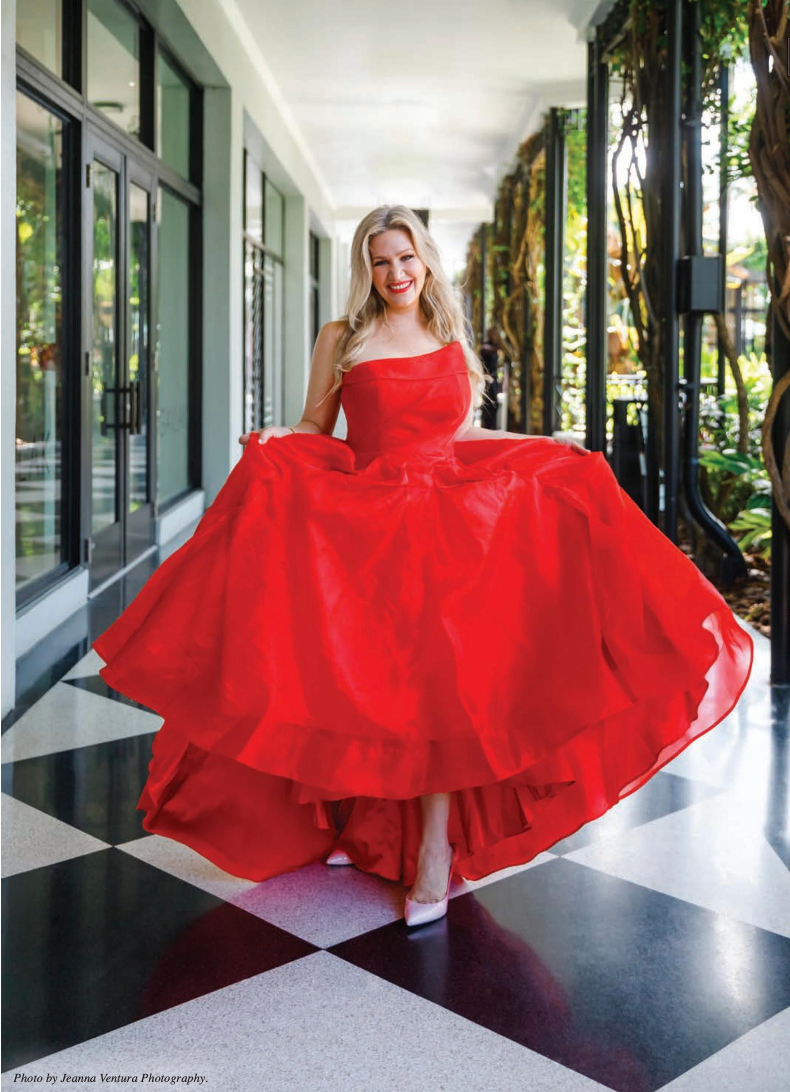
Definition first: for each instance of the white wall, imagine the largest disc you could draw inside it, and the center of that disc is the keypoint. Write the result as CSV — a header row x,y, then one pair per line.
x,y
208,39
222,286
212,45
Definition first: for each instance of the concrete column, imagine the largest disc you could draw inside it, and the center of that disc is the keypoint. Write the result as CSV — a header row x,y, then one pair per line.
x,y
222,288
296,333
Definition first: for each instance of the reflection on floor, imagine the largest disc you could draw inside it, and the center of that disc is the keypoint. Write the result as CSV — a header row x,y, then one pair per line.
x,y
649,951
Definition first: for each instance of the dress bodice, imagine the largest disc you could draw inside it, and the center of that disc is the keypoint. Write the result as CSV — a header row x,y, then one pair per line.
x,y
408,408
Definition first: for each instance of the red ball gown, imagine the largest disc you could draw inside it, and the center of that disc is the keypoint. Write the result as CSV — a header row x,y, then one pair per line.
x,y
356,622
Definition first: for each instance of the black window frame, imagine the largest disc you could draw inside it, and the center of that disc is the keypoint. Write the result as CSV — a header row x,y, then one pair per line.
x,y
261,252
66,97
315,282
70,515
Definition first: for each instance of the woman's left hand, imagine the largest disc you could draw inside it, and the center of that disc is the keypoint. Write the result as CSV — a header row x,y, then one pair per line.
x,y
574,445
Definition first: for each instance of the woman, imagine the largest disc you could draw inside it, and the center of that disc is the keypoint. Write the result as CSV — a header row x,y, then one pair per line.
x,y
427,648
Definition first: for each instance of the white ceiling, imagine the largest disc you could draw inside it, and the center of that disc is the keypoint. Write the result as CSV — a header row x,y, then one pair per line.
x,y
423,102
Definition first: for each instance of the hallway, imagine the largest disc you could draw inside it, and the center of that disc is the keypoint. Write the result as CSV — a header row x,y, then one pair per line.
x,y
649,951
182,184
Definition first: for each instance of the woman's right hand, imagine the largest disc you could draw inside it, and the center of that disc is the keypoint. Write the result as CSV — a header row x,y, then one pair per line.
x,y
265,434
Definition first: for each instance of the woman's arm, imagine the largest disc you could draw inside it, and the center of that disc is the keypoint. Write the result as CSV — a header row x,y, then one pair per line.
x,y
474,432
315,419
322,418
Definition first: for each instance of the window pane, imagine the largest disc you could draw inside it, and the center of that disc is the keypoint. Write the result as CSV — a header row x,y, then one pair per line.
x,y
114,64
274,219
272,341
269,319
173,333
253,335
39,30
253,204
172,117
314,314
277,361
139,302
39,356
106,410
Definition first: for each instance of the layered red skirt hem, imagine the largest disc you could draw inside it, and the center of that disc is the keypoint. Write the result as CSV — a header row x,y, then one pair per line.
x,y
502,623
255,824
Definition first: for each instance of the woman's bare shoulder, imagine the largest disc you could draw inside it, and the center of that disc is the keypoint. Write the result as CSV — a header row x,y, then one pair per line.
x,y
325,348
333,330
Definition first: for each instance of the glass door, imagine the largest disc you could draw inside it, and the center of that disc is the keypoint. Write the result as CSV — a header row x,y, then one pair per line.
x,y
117,265
140,361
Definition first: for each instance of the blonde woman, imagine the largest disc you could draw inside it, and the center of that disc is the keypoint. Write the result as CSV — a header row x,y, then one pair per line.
x,y
426,649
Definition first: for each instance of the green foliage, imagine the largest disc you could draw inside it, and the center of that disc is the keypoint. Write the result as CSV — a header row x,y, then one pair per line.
x,y
574,334
576,156
755,258
737,486
723,33
755,521
739,127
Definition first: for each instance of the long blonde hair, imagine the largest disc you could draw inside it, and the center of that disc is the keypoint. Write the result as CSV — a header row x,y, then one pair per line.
x,y
439,304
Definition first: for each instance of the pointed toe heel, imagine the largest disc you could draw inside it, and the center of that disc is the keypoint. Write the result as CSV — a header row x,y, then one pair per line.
x,y
420,913
338,857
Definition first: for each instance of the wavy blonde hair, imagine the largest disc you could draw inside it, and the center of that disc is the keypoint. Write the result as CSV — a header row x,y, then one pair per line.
x,y
439,304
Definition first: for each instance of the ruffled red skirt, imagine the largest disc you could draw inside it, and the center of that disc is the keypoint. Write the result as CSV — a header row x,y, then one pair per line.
x,y
505,625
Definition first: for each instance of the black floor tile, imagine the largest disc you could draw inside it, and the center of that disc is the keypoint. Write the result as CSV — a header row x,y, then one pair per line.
x,y
99,941
663,794
625,985
93,788
95,684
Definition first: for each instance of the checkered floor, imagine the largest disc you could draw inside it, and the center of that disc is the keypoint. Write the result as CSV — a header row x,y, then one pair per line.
x,y
649,951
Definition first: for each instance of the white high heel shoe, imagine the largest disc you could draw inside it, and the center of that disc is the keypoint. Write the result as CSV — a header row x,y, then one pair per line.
x,y
420,913
338,857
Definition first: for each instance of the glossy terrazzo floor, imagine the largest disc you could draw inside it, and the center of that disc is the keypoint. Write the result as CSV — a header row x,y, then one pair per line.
x,y
649,951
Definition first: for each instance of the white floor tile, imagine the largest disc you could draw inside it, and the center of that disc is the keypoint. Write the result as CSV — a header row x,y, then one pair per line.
x,y
738,752
320,903
758,1061
713,854
67,717
31,838
321,1024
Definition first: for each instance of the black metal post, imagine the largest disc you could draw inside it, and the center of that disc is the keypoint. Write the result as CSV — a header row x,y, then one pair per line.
x,y
508,364
733,563
671,225
739,319
483,278
780,537
597,257
724,146
527,342
556,197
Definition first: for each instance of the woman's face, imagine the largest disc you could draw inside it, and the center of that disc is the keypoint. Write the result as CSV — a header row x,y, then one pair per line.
x,y
398,274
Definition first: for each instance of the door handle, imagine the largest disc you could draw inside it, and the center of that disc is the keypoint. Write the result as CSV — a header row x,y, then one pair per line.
x,y
105,424
135,419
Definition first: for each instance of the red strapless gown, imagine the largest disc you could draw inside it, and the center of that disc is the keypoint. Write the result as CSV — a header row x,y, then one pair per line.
x,y
356,622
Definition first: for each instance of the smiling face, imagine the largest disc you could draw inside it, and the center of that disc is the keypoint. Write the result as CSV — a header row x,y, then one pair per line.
x,y
398,273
